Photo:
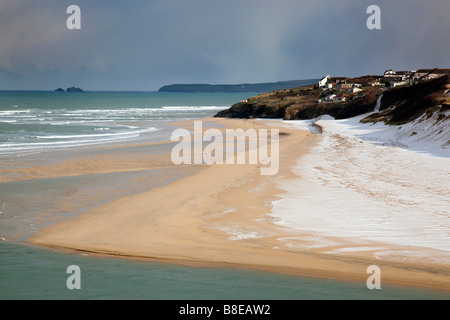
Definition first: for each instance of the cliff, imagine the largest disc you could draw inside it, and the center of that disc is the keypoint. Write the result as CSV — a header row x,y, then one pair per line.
x,y
305,102
245,87
398,105
403,104
74,89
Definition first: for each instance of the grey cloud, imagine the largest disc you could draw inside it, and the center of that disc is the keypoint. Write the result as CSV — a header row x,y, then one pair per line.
x,y
142,45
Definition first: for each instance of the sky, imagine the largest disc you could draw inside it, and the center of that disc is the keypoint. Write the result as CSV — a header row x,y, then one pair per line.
x,y
145,44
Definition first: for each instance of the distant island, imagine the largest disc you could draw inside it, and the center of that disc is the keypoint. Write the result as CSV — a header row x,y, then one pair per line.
x,y
244,87
71,89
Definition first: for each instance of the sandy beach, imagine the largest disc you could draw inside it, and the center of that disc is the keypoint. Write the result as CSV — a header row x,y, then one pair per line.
x,y
222,216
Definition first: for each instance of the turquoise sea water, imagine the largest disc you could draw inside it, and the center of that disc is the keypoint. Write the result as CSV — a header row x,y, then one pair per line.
x,y
32,122
28,205
33,273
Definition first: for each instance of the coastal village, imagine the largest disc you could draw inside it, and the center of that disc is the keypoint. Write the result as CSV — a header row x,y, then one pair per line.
x,y
340,88
343,97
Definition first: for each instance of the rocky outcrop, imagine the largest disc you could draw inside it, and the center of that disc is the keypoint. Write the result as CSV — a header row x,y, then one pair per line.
x,y
403,104
302,103
74,89
398,105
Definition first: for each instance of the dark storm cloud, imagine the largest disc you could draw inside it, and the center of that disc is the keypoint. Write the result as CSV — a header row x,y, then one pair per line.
x,y
142,45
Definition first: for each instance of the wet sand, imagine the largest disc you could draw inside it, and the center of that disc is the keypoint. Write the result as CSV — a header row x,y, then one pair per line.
x,y
220,216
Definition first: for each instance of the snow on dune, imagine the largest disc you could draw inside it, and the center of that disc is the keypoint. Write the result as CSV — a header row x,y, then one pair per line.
x,y
372,186
425,134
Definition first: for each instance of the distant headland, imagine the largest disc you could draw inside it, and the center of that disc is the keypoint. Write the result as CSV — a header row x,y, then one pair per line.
x,y
71,89
244,87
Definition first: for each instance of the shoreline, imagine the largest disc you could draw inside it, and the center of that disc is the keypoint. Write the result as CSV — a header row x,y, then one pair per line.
x,y
405,280
221,224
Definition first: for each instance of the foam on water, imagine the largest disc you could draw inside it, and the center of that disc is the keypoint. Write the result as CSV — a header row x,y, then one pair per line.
x,y
35,121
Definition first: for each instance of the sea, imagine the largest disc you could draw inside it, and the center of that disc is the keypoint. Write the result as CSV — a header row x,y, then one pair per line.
x,y
34,121
34,124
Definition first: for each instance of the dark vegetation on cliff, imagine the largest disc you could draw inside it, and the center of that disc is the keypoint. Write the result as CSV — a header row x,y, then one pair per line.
x,y
303,103
398,105
406,103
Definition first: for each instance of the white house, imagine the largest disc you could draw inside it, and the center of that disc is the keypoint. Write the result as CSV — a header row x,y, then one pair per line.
x,y
323,81
392,76
329,97
354,90
400,83
421,73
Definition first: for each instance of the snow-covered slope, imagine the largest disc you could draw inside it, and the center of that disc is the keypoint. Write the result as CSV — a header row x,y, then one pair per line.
x,y
428,133
372,189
